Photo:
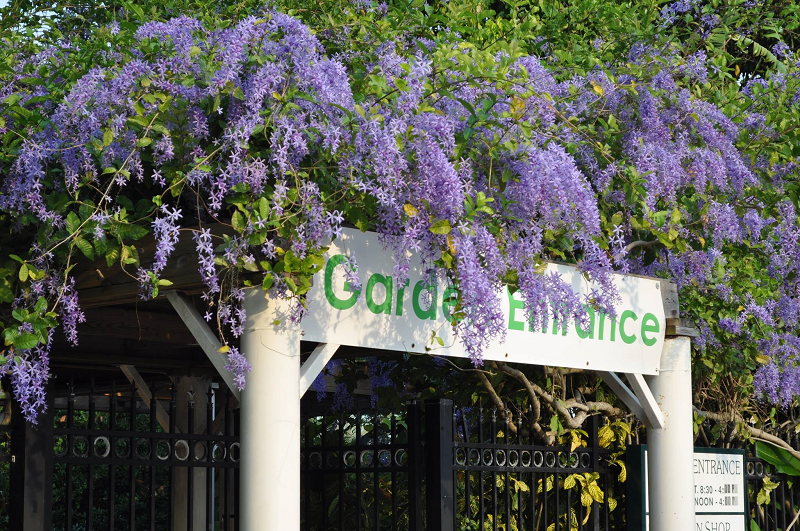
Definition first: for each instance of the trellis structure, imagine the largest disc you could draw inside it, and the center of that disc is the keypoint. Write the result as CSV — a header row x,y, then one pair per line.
x,y
125,334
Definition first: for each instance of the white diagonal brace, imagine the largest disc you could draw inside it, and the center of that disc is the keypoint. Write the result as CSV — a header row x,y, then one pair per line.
x,y
654,415
145,394
623,393
205,337
314,365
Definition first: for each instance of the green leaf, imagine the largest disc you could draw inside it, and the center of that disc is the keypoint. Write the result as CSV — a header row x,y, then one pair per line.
x,y
85,247
783,461
108,137
238,221
73,222
26,340
441,227
23,273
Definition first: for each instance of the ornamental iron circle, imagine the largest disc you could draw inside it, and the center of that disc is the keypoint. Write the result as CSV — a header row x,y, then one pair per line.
x,y
143,449
586,460
384,458
331,459
500,457
461,456
751,468
349,459
163,449
122,448
538,459
103,448
525,458
550,459
218,452
401,457
80,446
233,452
474,457
487,458
315,460
200,451
59,446
181,450
759,468
513,458
574,460
366,458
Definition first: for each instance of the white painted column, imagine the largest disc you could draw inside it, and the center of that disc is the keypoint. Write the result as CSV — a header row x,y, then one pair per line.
x,y
270,418
670,450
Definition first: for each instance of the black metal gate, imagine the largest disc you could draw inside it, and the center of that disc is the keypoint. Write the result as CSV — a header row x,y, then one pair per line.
x,y
125,458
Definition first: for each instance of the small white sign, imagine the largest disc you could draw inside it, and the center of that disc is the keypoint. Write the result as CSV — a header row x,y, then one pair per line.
x,y
390,316
719,491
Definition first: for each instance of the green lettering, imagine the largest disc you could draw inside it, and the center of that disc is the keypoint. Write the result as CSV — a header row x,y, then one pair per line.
x,y
430,313
627,314
513,306
601,319
613,328
401,291
333,300
583,334
449,301
649,324
388,284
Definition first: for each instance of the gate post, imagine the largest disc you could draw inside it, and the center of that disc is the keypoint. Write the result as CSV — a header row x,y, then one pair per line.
x,y
670,450
440,495
269,493
415,471
32,470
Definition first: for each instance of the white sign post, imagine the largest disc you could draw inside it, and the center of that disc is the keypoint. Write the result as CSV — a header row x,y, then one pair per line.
x,y
720,489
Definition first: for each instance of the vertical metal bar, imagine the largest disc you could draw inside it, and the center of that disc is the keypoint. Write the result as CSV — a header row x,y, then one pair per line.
x,y
322,472
393,442
556,479
210,469
70,441
358,468
467,478
172,453
439,478
112,469
189,467
152,493
494,474
228,472
506,435
415,466
376,473
90,468
480,472
342,471
131,455
520,477
545,511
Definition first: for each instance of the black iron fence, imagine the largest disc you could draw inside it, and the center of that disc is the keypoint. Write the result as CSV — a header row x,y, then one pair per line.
x,y
125,457
356,469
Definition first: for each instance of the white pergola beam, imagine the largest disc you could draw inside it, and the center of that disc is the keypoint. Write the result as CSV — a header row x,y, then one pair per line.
x,y
314,365
146,395
204,336
653,415
623,393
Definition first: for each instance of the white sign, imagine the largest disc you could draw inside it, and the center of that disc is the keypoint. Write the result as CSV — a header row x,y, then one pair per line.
x,y
390,316
719,490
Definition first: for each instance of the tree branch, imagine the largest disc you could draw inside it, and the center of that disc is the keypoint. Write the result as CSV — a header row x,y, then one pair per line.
x,y
755,432
504,411
536,407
